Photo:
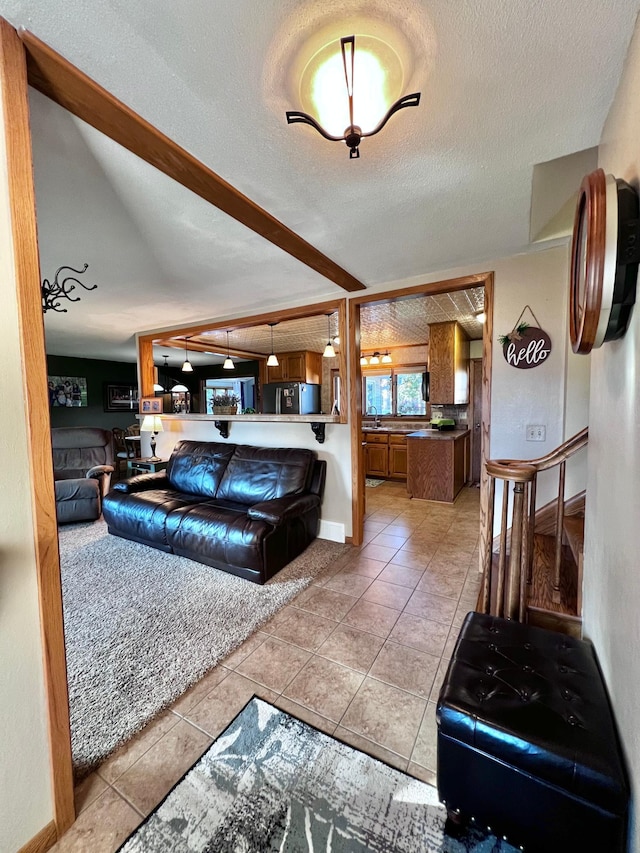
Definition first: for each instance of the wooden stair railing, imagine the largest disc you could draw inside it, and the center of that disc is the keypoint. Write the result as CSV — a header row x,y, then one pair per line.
x,y
508,595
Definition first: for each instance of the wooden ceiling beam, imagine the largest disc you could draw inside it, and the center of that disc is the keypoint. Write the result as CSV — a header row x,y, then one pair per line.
x,y
212,348
54,76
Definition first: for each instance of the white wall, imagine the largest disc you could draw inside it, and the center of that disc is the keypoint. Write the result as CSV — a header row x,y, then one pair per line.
x,y
25,790
612,543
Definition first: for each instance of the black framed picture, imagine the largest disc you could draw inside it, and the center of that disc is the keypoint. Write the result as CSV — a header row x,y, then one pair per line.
x,y
67,391
120,397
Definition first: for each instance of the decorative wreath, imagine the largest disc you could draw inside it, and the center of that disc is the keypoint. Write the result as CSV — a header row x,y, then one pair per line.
x,y
515,334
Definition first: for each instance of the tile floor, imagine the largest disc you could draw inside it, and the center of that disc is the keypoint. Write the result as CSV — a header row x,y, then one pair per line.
x,y
360,654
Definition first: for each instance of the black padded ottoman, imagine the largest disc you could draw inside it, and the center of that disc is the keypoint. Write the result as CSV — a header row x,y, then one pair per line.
x,y
527,744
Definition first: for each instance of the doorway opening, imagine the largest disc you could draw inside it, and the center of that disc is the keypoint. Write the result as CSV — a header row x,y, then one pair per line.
x,y
391,298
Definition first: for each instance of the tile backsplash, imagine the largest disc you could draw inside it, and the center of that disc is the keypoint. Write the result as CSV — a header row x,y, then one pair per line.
x,y
460,414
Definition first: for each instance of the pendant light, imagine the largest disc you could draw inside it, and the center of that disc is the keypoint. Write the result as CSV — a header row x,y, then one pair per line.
x,y
187,367
329,351
386,358
375,358
272,361
228,362
156,385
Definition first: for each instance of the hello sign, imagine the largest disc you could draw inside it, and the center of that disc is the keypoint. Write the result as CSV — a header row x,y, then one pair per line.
x,y
529,348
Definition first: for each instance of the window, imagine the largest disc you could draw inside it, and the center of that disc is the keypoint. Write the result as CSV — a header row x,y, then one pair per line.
x,y
396,391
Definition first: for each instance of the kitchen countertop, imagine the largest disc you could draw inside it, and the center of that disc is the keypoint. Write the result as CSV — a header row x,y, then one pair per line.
x,y
439,435
389,430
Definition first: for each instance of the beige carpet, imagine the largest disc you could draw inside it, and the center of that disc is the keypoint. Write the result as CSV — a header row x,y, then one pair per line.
x,y
142,626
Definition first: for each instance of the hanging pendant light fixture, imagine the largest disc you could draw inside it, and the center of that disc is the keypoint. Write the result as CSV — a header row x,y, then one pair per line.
x,y
156,385
272,361
353,134
187,367
329,351
228,362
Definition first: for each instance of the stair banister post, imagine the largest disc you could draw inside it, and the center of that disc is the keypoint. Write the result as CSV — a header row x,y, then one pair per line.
x,y
559,530
502,558
520,473
526,556
488,554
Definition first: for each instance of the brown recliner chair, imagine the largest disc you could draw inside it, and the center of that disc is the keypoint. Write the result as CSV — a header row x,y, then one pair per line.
x,y
82,468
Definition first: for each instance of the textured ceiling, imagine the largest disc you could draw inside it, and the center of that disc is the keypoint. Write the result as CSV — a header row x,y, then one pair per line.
x,y
504,86
403,322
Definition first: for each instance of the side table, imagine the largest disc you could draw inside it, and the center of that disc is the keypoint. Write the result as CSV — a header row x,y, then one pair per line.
x,y
146,466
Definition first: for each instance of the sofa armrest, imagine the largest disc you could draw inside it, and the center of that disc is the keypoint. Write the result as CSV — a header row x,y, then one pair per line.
x,y
143,482
103,474
281,509
98,470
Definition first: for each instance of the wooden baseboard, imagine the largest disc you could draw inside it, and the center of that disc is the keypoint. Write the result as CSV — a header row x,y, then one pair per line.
x,y
43,841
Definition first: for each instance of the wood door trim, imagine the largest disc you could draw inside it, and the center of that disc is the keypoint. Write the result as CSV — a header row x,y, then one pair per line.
x,y
27,269
42,841
54,76
475,365
487,367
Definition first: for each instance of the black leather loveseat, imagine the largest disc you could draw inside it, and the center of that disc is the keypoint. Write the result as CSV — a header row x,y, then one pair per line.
x,y
246,510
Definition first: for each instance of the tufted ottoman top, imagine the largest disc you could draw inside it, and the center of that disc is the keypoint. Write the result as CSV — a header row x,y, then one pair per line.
x,y
535,700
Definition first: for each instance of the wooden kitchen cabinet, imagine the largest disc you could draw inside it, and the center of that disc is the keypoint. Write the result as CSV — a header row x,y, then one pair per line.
x,y
297,367
377,460
376,454
385,455
398,457
448,364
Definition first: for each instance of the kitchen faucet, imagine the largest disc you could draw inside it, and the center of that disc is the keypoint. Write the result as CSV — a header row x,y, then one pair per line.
x,y
376,421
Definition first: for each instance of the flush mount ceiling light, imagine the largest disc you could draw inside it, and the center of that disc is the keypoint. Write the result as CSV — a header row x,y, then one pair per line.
x,y
228,362
353,133
187,367
272,361
329,351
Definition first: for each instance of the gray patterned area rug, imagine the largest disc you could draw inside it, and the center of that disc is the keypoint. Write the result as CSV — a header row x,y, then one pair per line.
x,y
142,626
273,784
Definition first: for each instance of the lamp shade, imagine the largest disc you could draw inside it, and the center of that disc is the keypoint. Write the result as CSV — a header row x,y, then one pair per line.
x,y
151,423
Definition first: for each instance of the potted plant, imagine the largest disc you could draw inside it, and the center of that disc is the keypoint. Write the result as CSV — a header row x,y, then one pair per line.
x,y
225,404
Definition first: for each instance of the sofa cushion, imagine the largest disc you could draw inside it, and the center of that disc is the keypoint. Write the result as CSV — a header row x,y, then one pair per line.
x,y
218,533
146,512
257,474
196,467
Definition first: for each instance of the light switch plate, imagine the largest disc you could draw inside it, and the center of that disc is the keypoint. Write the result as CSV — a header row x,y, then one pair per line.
x,y
536,432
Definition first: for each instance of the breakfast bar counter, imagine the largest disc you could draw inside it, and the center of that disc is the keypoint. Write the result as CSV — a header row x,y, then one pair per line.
x,y
438,463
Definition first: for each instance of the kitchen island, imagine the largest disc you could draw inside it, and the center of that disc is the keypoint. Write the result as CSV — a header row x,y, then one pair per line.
x,y
437,463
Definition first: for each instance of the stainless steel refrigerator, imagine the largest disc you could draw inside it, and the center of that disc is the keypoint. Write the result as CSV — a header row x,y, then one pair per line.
x,y
290,398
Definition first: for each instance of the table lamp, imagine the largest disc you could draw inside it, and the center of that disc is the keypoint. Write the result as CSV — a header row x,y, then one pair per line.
x,y
152,424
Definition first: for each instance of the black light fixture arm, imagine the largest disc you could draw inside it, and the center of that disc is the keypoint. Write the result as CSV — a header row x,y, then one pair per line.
x,y
353,134
401,103
51,292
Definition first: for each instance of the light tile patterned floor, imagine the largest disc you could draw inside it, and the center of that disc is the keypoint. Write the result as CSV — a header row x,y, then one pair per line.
x,y
360,654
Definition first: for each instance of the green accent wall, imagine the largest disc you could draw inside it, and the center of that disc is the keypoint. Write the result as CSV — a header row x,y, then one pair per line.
x,y
98,374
